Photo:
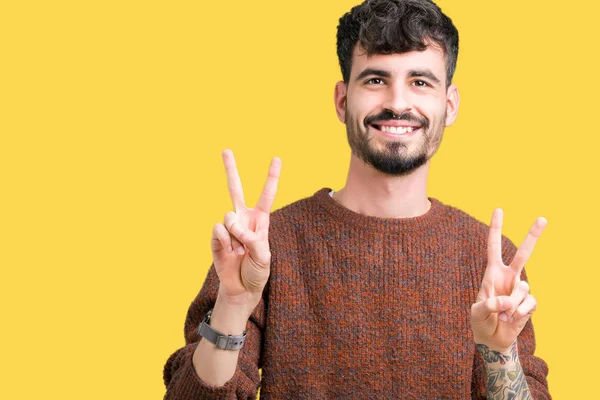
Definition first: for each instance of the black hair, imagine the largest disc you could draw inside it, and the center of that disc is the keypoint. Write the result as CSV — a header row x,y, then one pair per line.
x,y
396,26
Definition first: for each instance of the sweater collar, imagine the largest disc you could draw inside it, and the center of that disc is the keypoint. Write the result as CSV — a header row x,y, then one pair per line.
x,y
429,219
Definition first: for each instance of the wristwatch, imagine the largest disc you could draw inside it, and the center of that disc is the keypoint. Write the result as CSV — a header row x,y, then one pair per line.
x,y
222,341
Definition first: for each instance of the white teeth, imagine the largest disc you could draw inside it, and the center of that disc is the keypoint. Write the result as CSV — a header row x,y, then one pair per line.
x,y
397,129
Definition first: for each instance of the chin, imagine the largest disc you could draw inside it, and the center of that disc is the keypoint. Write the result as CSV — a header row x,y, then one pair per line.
x,y
399,165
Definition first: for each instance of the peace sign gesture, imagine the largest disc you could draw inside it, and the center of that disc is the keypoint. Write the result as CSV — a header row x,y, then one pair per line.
x,y
240,245
503,304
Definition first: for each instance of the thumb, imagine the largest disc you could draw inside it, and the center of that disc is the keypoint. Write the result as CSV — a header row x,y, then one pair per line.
x,y
481,310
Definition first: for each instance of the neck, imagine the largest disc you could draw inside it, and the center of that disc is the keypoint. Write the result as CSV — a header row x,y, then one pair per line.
x,y
373,193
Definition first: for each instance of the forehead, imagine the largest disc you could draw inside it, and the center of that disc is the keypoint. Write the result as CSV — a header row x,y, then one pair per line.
x,y
431,58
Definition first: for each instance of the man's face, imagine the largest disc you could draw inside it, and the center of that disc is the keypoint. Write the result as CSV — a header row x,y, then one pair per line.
x,y
396,107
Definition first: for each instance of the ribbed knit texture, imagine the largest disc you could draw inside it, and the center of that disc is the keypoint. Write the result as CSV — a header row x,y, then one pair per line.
x,y
360,307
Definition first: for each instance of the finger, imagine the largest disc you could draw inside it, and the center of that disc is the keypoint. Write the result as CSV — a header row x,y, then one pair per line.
x,y
482,310
265,203
256,242
258,247
526,248
221,238
517,296
495,237
525,309
234,184
230,222
243,235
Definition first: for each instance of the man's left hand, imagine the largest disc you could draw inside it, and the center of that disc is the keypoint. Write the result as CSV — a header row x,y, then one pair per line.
x,y
503,304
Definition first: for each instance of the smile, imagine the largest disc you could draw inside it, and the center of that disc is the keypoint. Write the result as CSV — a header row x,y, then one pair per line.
x,y
396,131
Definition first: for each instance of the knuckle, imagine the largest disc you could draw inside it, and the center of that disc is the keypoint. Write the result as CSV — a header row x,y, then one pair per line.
x,y
229,220
534,305
220,231
241,234
229,215
269,193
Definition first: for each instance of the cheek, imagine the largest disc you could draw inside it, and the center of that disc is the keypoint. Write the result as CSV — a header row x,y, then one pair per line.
x,y
363,104
433,110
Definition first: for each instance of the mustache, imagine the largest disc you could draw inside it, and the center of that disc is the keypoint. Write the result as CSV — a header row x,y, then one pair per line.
x,y
387,115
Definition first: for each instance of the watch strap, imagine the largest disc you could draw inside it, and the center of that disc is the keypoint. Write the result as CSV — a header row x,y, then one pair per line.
x,y
220,340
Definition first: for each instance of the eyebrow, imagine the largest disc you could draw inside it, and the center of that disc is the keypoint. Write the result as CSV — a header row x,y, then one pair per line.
x,y
423,73
373,71
415,73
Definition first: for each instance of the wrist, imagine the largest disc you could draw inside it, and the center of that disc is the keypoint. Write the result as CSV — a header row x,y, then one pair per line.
x,y
492,355
243,303
230,319
495,343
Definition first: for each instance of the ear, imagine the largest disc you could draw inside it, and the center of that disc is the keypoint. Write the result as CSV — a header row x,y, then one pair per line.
x,y
452,102
340,100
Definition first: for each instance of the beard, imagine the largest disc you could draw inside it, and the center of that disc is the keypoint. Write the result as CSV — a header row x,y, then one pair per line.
x,y
396,158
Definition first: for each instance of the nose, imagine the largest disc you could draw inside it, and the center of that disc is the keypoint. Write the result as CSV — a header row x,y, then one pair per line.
x,y
397,100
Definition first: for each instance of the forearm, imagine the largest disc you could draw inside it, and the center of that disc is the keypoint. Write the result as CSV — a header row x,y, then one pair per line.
x,y
214,366
505,377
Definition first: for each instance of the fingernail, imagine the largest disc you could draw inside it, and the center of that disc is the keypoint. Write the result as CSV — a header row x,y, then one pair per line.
x,y
503,317
240,250
229,249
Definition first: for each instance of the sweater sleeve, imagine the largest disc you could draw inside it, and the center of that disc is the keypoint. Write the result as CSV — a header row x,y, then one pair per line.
x,y
534,368
181,380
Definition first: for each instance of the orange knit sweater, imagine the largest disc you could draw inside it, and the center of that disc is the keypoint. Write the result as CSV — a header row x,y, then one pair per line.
x,y
359,307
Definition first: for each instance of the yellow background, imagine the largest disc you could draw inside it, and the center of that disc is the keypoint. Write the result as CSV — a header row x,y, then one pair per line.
x,y
113,115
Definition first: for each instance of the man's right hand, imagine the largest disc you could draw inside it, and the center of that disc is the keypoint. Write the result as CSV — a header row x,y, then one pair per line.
x,y
240,248
240,245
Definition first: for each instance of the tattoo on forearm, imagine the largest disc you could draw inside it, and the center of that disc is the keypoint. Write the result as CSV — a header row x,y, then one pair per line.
x,y
505,377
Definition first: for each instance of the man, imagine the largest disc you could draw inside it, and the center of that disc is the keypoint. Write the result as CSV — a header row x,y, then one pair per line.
x,y
376,290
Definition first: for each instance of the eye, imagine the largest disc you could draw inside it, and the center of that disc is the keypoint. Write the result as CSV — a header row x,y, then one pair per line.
x,y
375,81
421,83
